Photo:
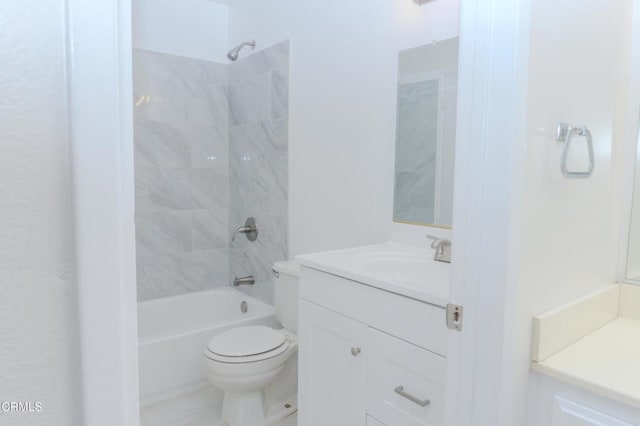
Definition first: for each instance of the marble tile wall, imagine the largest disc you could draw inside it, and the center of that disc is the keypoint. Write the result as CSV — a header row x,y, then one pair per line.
x,y
211,148
416,146
181,122
258,138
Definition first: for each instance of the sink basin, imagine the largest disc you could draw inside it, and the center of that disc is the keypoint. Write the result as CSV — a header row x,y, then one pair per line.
x,y
400,270
407,270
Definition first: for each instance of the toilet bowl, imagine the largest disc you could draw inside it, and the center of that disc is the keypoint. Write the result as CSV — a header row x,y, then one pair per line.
x,y
243,361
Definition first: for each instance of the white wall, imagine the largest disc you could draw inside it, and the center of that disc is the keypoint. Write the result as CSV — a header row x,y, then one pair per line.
x,y
566,231
342,106
193,28
39,353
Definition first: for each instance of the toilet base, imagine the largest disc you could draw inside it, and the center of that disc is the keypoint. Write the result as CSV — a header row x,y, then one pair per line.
x,y
244,409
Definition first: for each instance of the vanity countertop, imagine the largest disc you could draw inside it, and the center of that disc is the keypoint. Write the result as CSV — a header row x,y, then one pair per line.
x,y
594,344
606,362
402,269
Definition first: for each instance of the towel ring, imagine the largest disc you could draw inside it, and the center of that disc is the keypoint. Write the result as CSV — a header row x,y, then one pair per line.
x,y
565,133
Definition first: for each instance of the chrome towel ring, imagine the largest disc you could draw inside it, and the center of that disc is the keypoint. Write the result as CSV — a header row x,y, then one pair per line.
x,y
567,133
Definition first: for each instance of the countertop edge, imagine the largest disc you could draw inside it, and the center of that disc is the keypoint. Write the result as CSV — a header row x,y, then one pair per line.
x,y
421,296
585,384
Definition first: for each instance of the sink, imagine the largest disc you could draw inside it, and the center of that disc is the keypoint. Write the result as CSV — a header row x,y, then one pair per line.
x,y
403,269
400,270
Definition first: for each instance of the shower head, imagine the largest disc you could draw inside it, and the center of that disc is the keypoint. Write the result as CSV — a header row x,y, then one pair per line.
x,y
233,53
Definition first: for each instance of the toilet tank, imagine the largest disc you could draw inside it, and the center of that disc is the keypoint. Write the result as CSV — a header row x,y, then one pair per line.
x,y
286,293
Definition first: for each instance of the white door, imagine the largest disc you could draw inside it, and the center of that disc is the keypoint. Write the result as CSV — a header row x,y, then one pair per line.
x,y
332,378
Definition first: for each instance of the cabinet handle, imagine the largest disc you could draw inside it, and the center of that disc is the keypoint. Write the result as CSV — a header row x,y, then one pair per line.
x,y
400,391
355,351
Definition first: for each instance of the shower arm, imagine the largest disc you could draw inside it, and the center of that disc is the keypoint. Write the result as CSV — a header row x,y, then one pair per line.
x,y
233,53
251,43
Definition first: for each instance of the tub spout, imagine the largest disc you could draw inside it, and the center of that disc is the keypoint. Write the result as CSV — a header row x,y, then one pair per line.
x,y
248,280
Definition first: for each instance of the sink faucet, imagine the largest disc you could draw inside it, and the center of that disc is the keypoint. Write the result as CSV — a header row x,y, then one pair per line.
x,y
442,247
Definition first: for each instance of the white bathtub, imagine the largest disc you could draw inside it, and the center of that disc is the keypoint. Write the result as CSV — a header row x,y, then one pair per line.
x,y
173,333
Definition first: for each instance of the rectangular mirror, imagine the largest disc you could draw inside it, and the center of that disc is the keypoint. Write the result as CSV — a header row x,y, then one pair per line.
x,y
426,134
633,253
632,98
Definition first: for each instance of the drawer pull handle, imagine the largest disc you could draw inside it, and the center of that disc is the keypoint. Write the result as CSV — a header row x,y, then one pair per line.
x,y
355,351
400,391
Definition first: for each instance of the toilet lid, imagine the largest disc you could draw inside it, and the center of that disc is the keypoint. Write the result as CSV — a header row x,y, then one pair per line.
x,y
246,341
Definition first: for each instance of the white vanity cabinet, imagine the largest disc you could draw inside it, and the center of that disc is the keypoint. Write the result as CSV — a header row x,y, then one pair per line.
x,y
368,357
569,413
564,404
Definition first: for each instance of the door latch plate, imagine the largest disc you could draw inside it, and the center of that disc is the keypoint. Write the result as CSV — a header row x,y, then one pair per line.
x,y
454,316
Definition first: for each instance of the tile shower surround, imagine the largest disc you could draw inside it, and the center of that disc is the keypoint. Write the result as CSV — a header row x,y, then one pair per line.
x,y
210,151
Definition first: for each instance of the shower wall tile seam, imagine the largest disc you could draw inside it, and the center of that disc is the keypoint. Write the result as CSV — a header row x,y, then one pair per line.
x,y
258,137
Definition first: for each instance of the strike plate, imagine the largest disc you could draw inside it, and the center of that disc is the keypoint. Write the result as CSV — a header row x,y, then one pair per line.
x,y
454,317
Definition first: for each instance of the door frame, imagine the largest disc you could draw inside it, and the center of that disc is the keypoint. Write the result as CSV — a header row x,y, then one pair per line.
x,y
490,149
99,81
492,86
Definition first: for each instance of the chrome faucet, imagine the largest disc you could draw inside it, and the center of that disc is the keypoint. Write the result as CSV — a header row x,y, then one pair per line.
x,y
442,247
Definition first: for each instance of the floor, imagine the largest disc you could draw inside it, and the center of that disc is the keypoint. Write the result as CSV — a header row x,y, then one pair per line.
x,y
201,407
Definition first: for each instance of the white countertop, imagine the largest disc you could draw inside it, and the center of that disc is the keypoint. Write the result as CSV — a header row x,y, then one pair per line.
x,y
606,362
593,343
402,269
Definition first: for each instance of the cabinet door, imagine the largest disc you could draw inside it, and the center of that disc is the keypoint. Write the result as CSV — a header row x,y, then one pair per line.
x,y
332,377
567,413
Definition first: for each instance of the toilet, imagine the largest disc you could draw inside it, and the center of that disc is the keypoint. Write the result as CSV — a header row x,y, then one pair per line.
x,y
243,361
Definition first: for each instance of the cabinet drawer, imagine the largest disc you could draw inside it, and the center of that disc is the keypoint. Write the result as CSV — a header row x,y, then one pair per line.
x,y
414,321
401,379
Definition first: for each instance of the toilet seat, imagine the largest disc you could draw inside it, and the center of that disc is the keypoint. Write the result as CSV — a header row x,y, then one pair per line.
x,y
247,344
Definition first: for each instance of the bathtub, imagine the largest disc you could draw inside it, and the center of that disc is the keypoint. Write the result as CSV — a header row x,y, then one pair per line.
x,y
173,333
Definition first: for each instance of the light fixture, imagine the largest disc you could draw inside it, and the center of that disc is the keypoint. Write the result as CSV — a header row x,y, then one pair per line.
x,y
421,2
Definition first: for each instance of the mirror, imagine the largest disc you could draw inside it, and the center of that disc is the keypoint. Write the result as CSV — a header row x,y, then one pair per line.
x,y
632,98
633,252
425,134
